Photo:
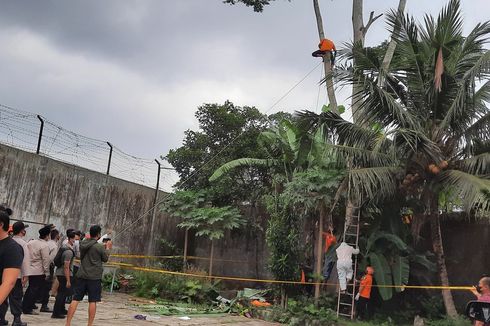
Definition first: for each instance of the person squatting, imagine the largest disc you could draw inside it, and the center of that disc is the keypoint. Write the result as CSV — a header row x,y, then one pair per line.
x,y
46,266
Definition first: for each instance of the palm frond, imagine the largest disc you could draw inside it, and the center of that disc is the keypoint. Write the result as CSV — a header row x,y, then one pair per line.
x,y
380,105
477,165
470,188
375,182
480,129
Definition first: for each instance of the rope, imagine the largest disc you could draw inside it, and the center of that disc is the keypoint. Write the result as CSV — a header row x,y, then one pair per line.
x,y
245,279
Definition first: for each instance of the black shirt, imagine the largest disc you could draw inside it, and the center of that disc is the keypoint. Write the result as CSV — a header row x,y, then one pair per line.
x,y
11,255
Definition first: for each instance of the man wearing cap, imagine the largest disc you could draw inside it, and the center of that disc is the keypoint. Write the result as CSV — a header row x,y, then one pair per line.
x,y
15,297
54,238
38,270
11,256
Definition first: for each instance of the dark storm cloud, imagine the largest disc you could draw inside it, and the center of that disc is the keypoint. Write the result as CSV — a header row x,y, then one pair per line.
x,y
135,71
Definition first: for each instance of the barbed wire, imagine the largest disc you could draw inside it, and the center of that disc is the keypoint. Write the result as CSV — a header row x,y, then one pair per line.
x,y
21,129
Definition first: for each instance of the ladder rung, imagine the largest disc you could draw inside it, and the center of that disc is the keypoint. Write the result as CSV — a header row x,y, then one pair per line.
x,y
346,315
345,304
351,234
352,225
351,244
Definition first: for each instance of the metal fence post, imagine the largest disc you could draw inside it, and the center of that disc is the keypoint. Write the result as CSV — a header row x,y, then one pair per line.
x,y
110,158
40,134
155,202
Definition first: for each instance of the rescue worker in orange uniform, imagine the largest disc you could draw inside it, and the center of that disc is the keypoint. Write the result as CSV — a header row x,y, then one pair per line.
x,y
330,241
324,47
364,294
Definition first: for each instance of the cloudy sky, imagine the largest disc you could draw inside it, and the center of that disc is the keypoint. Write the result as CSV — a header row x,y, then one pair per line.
x,y
134,71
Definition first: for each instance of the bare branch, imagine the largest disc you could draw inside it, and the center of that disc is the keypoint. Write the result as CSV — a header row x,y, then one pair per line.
x,y
371,20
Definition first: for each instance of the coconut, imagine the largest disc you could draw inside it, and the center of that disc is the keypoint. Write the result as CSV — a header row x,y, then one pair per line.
x,y
435,170
443,165
405,182
431,166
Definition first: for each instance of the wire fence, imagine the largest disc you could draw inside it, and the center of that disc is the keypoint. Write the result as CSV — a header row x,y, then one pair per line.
x,y
36,134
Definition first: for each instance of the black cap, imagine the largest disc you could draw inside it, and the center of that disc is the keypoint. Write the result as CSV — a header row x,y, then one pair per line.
x,y
51,226
19,226
45,231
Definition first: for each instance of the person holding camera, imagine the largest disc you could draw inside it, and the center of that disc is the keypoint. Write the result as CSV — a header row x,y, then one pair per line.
x,y
89,277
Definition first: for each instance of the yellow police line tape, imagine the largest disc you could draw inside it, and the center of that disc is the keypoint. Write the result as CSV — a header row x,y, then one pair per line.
x,y
243,279
175,257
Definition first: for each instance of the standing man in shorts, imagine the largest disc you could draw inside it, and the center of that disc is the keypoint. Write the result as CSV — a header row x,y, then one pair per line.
x,y
89,276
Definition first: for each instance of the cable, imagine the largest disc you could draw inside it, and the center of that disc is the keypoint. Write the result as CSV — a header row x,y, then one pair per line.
x,y
217,154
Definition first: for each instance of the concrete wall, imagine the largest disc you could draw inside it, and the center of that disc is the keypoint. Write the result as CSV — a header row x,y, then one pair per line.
x,y
43,190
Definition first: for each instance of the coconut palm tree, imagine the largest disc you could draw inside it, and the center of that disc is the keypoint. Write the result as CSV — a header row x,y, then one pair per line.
x,y
426,127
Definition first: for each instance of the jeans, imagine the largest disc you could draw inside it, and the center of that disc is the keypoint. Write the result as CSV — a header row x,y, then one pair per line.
x,y
36,283
344,268
59,305
327,268
15,301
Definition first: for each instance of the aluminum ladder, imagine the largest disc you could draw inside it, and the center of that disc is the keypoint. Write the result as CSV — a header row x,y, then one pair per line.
x,y
346,301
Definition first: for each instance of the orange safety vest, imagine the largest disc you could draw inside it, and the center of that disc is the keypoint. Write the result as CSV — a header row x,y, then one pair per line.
x,y
330,239
366,284
326,45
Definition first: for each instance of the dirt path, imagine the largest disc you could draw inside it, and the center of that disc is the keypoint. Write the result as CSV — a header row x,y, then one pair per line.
x,y
118,309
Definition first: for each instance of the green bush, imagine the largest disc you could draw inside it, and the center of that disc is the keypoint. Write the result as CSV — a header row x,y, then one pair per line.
x,y
172,287
107,282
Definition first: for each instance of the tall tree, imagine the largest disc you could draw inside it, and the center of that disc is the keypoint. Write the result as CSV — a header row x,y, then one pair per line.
x,y
226,132
431,117
359,31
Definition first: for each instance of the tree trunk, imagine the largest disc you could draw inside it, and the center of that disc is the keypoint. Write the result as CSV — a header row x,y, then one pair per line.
x,y
359,33
319,249
437,246
326,61
211,259
186,241
357,27
390,51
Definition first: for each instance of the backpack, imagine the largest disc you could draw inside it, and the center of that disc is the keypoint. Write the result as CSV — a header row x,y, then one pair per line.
x,y
58,259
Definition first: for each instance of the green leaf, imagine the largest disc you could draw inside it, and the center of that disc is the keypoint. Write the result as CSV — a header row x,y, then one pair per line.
x,y
382,275
392,238
341,109
401,272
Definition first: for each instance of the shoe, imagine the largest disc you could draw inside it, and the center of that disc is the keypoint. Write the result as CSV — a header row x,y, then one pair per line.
x,y
18,322
30,312
34,307
45,309
58,316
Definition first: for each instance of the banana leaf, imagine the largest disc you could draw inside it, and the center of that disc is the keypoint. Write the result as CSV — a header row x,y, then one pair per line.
x,y
382,275
401,272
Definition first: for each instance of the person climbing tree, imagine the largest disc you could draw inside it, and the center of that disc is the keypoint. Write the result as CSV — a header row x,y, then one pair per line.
x,y
324,47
